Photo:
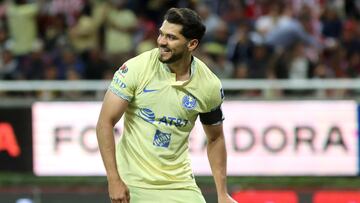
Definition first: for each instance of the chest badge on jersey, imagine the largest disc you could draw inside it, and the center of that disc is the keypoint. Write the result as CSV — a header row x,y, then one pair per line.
x,y
189,102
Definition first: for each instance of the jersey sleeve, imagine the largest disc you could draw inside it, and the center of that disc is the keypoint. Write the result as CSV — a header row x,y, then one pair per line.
x,y
216,97
214,115
124,82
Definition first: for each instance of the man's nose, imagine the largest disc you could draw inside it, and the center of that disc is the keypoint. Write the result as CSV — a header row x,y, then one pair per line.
x,y
162,40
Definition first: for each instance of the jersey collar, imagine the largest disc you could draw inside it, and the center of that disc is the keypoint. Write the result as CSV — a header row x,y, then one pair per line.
x,y
173,76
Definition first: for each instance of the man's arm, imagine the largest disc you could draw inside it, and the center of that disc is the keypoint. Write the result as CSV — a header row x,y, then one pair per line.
x,y
112,109
216,152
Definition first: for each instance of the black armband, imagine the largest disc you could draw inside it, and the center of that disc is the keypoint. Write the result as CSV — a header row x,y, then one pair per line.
x,y
213,117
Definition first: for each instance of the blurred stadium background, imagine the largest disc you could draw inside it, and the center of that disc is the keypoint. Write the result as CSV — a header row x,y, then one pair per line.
x,y
290,70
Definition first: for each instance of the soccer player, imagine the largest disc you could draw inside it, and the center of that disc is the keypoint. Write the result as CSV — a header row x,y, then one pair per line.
x,y
161,93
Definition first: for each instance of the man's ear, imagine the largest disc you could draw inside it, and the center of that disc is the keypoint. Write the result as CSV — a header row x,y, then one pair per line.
x,y
193,44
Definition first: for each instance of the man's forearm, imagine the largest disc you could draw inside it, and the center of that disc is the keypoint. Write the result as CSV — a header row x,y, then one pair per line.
x,y
216,151
106,143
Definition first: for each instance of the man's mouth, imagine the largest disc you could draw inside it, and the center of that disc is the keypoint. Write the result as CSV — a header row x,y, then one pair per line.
x,y
165,50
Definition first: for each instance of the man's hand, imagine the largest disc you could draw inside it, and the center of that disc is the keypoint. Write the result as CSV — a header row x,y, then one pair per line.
x,y
225,198
118,191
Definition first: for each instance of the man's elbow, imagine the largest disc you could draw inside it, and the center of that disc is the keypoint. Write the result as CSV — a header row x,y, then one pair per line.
x,y
215,137
102,126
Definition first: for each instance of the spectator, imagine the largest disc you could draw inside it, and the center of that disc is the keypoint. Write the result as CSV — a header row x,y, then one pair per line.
x,y
294,64
8,66
258,63
241,71
3,36
321,71
70,9
353,68
50,73
215,57
240,46
267,23
352,9
350,36
331,23
119,29
146,34
220,34
33,64
211,20
288,31
300,67
232,12
55,33
67,60
96,66
72,74
84,34
21,19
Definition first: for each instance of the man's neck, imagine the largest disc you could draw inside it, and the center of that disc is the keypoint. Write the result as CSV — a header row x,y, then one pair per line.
x,y
182,68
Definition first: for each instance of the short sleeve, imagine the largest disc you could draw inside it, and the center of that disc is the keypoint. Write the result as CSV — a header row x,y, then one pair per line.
x,y
214,115
216,97
124,82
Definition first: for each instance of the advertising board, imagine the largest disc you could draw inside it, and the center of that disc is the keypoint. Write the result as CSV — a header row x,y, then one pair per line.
x,y
262,137
15,139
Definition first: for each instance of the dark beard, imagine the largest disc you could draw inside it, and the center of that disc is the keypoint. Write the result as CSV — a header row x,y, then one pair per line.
x,y
172,59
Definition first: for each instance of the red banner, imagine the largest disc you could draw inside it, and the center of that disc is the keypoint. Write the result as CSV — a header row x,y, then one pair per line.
x,y
337,197
265,196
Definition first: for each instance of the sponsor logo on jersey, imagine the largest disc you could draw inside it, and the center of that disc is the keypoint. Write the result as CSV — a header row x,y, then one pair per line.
x,y
161,139
147,115
168,120
118,83
189,102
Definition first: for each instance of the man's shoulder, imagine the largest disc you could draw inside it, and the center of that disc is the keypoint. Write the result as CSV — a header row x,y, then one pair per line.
x,y
211,93
205,74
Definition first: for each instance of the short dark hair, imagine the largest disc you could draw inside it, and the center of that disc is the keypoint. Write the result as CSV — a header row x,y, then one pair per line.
x,y
192,26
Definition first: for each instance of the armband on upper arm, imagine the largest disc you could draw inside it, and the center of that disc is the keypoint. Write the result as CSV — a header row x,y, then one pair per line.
x,y
213,117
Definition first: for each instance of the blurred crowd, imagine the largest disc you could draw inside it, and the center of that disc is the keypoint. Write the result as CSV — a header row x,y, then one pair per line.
x,y
245,39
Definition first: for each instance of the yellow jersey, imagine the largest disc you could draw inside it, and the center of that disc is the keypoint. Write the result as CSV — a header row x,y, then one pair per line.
x,y
153,149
